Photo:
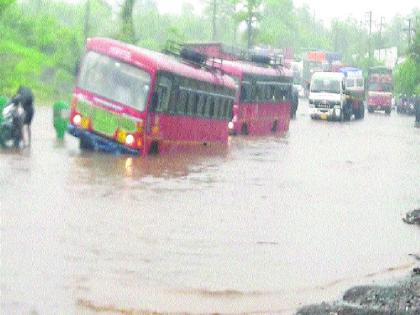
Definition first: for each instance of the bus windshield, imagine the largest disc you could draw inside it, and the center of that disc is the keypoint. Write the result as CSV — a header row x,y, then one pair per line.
x,y
325,85
115,80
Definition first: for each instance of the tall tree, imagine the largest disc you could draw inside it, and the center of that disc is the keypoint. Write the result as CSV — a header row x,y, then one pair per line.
x,y
127,30
249,12
4,4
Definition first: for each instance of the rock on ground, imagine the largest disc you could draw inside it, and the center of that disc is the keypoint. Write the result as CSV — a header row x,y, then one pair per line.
x,y
401,298
412,217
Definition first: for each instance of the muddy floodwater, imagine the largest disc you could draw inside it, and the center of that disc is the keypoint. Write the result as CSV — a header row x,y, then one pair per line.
x,y
265,227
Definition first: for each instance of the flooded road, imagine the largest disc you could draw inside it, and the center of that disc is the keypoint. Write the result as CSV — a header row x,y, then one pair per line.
x,y
265,227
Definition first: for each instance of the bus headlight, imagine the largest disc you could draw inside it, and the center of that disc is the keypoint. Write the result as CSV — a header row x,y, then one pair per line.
x,y
77,119
129,140
230,125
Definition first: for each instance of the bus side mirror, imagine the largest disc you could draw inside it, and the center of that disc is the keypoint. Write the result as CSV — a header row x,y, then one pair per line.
x,y
155,101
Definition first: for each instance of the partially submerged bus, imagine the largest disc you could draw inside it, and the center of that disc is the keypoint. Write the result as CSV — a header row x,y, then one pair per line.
x,y
264,99
131,100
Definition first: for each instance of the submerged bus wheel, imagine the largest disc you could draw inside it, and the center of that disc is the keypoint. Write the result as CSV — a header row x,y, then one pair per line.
x,y
85,144
244,129
275,126
154,148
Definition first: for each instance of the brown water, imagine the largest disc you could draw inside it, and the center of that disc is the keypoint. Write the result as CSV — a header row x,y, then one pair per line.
x,y
267,226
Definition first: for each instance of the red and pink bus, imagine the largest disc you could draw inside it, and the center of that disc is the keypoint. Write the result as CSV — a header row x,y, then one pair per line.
x,y
264,100
135,101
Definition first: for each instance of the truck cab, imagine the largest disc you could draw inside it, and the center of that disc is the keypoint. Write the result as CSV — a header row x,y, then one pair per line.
x,y
327,98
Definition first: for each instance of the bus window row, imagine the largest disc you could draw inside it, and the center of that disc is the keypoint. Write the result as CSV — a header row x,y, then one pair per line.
x,y
183,96
261,91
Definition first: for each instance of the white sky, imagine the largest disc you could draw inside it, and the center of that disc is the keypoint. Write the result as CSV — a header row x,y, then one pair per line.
x,y
323,9
326,9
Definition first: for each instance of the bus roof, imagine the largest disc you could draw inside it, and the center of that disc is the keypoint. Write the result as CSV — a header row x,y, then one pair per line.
x,y
239,68
155,61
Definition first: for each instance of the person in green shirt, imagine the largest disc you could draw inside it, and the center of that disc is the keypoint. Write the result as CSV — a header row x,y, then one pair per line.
x,y
3,101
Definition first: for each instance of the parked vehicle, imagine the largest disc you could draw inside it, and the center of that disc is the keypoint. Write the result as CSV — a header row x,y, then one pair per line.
x,y
330,100
136,101
406,105
379,90
11,125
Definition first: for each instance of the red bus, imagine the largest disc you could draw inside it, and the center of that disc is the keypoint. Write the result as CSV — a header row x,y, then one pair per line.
x,y
135,101
264,100
379,89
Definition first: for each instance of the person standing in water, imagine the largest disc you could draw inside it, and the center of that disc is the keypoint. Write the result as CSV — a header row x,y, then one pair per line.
x,y
25,97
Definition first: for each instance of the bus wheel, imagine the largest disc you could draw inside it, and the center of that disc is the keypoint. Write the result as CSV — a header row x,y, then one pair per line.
x,y
388,111
154,148
85,144
275,126
244,129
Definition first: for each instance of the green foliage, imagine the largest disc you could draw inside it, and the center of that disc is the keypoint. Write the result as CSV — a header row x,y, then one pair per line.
x,y
42,40
4,4
407,77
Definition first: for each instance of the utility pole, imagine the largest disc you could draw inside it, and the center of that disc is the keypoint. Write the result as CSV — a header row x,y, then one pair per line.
x,y
214,20
370,37
381,24
87,17
409,30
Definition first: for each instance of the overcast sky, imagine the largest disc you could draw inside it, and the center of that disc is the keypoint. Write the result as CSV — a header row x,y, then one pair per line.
x,y
327,9
323,9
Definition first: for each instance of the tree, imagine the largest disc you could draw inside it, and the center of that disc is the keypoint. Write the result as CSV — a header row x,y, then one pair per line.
x,y
4,4
248,12
127,31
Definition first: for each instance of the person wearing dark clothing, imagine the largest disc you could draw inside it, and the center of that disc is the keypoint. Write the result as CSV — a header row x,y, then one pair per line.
x,y
25,97
295,102
417,103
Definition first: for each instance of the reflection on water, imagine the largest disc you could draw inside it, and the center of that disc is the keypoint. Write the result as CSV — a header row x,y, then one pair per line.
x,y
167,166
264,226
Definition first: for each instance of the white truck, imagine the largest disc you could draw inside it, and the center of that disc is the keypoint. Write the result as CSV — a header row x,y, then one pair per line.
x,y
331,99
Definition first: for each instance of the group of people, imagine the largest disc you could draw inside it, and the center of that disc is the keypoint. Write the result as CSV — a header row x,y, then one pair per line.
x,y
25,98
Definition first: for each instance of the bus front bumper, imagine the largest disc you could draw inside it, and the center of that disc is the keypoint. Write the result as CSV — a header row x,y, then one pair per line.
x,y
101,144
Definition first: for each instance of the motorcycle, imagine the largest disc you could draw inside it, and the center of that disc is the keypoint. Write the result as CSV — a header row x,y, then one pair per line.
x,y
411,108
11,126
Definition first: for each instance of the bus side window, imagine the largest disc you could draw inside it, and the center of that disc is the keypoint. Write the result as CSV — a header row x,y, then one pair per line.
x,y
226,104
209,106
163,93
217,107
229,106
272,92
173,100
200,104
192,103
245,92
182,101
